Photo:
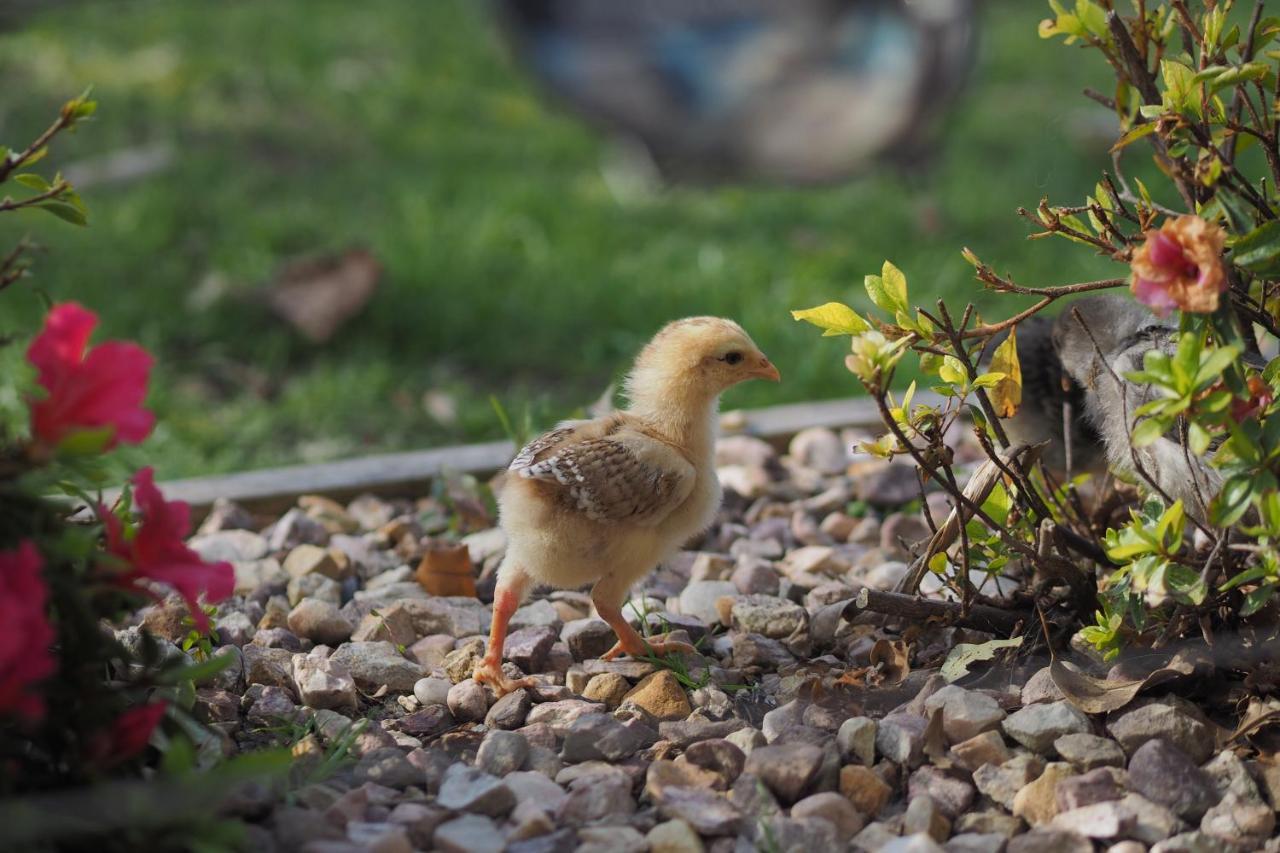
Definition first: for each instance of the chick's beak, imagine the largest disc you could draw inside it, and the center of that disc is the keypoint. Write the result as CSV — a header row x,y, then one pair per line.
x,y
764,369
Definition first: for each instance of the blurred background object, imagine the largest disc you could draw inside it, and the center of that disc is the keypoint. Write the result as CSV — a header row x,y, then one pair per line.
x,y
806,91
235,138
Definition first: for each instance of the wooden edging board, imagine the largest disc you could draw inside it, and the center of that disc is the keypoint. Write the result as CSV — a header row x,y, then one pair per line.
x,y
410,473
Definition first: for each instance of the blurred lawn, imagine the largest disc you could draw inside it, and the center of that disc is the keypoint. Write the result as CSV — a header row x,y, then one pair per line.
x,y
304,126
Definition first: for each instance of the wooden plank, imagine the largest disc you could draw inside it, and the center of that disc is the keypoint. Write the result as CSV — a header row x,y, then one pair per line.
x,y
410,473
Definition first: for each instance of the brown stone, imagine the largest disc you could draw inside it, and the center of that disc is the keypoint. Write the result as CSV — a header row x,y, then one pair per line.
x,y
864,788
661,695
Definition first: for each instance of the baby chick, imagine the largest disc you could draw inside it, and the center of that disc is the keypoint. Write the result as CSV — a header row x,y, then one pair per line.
x,y
603,501
1098,340
1052,407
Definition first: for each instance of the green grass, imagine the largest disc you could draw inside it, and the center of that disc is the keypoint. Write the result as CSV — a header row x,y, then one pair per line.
x,y
305,126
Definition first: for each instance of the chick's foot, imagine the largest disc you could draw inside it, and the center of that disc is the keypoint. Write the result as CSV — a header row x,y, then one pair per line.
x,y
490,672
656,646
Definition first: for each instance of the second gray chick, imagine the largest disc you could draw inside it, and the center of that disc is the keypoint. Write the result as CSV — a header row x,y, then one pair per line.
x,y
1119,333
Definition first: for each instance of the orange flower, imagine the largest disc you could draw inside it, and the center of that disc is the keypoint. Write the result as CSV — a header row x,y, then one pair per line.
x,y
1180,266
1260,397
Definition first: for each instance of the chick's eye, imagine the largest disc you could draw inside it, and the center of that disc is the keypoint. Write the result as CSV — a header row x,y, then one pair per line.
x,y
733,358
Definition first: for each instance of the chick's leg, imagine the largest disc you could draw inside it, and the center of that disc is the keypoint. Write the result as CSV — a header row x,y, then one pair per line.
x,y
513,586
607,595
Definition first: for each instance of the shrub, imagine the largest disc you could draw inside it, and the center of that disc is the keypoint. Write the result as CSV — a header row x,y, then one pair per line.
x,y
1185,410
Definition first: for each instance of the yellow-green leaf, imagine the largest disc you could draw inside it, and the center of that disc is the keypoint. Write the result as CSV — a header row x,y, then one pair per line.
x,y
1006,396
834,318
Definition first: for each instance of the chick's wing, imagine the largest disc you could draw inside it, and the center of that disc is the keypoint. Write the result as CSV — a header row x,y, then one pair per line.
x,y
626,476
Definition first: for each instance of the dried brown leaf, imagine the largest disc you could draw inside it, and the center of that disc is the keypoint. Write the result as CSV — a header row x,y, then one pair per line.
x,y
1101,696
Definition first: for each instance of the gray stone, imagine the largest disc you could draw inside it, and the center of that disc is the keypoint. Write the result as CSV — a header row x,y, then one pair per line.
x,y
270,667
856,740
457,616
538,613
388,767
953,796
699,599
1239,819
375,664
597,798
918,843
820,449
1048,840
432,690
1153,822
313,586
1165,719
1087,751
832,807
772,617
754,576
469,834
502,752
1165,775
1040,687
528,648
1037,726
468,789
718,756
900,738
707,812
923,816
975,842
319,621
561,715
509,712
468,701
1003,782
1096,786
323,683
787,770
232,546
599,737
889,486
588,639
1104,821
967,714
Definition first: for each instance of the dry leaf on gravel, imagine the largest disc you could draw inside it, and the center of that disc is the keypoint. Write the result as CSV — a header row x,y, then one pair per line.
x,y
1101,696
891,658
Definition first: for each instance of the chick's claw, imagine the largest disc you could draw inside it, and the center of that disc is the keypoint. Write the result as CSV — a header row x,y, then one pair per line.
x,y
490,673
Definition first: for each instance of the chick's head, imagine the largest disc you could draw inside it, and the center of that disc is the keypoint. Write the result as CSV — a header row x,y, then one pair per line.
x,y
700,354
1099,328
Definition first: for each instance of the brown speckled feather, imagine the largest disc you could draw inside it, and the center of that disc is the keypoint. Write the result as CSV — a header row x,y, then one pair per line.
x,y
624,475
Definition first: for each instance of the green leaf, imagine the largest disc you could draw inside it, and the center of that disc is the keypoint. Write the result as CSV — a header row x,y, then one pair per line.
x,y
834,318
32,180
1007,396
895,284
1233,500
67,212
197,672
952,371
1133,134
1256,600
87,442
1198,439
960,658
1259,250
1149,431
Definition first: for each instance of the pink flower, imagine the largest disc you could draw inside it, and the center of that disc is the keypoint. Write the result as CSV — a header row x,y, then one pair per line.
x,y
100,390
1180,266
156,551
128,735
1260,396
25,632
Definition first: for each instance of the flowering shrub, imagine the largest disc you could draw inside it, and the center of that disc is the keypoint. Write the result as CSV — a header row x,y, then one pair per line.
x,y
75,703
1181,410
